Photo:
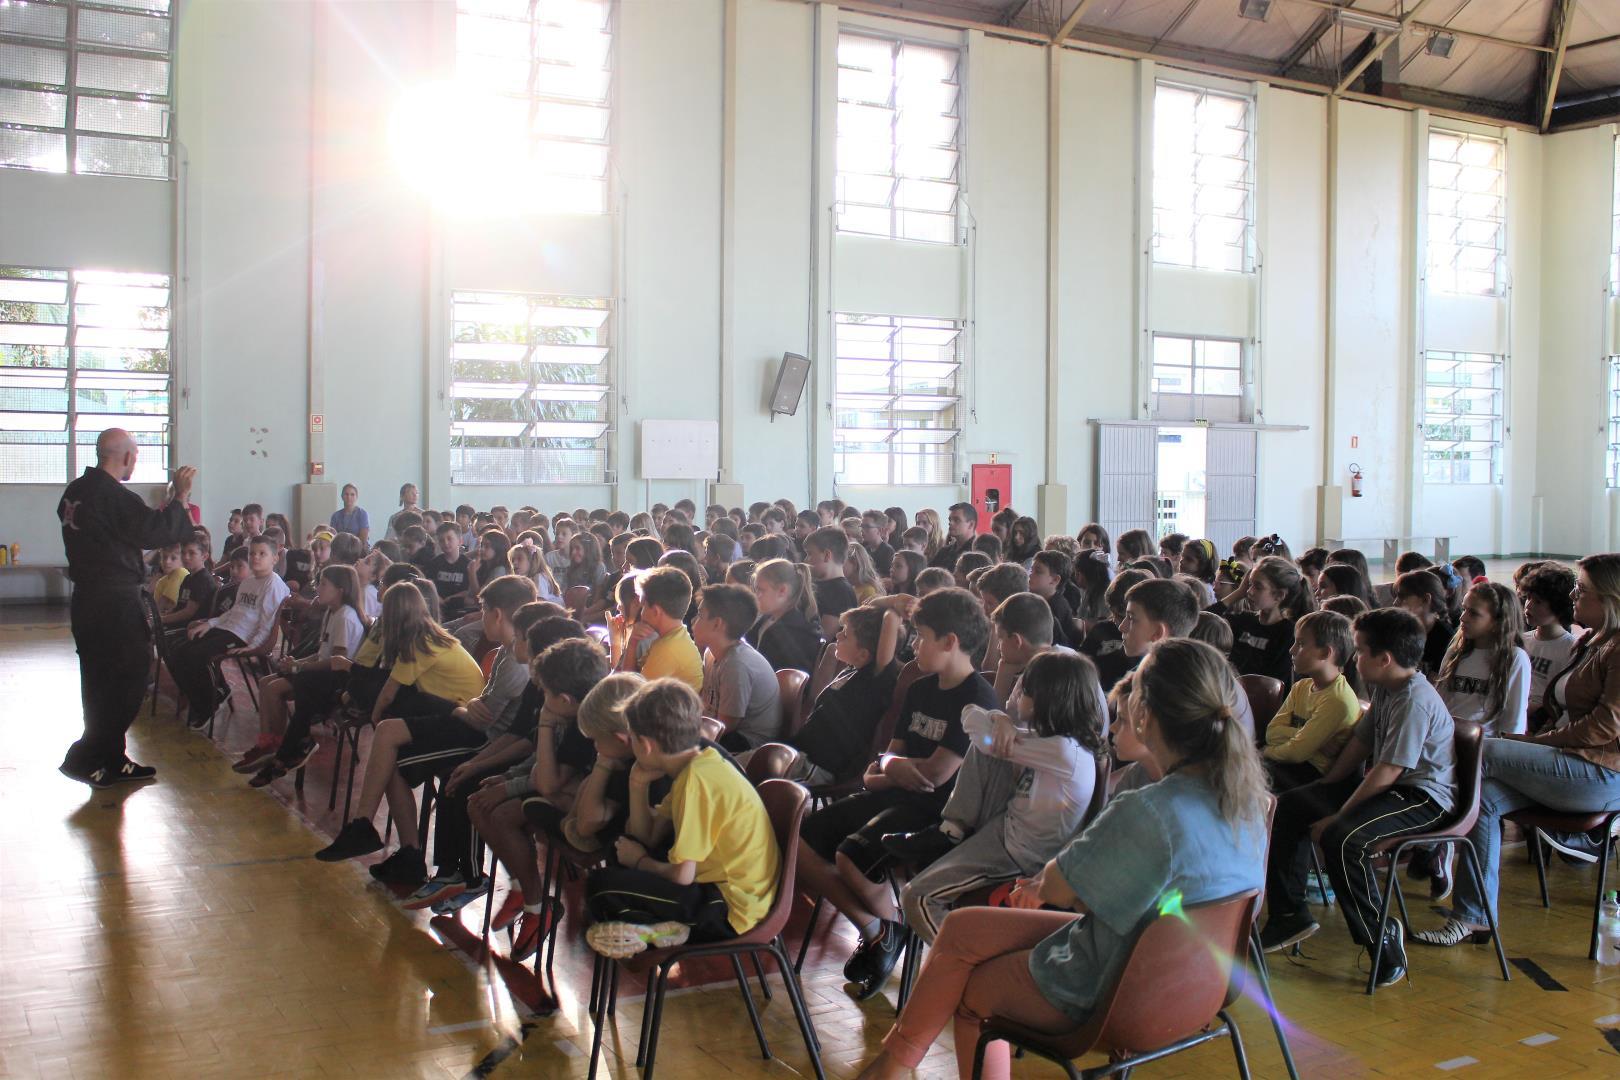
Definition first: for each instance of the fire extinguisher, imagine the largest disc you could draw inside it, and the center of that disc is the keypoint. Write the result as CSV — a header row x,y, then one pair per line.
x,y
1355,481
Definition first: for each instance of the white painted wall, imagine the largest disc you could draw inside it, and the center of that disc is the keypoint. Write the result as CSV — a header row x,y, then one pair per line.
x,y
292,194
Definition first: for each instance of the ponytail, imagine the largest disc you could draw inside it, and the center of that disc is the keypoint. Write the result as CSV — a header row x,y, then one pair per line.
x,y
796,576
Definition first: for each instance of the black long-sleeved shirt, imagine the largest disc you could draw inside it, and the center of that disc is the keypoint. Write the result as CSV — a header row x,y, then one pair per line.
x,y
106,526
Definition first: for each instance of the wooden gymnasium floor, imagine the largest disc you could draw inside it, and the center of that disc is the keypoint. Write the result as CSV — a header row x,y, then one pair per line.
x,y
180,929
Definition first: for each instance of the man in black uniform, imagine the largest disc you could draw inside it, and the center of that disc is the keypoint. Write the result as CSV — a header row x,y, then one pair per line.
x,y
105,526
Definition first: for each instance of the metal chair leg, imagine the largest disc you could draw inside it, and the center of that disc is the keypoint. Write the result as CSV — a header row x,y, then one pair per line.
x,y
1237,1044
599,996
648,1007
759,970
753,1010
1258,957
809,932
1471,857
657,1023
1377,948
1604,854
1538,851
800,1013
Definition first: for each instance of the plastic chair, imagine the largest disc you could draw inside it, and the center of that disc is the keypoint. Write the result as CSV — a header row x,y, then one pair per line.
x,y
576,598
827,668
770,762
790,685
785,803
1265,696
1179,977
1541,820
160,650
1469,743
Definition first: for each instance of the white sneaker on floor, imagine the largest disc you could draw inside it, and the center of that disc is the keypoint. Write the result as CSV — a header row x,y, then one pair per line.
x,y
620,940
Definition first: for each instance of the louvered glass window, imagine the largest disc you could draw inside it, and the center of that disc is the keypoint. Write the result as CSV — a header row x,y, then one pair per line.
x,y
898,400
1612,457
1462,418
1203,178
531,390
899,139
543,70
1467,214
81,351
1198,379
84,86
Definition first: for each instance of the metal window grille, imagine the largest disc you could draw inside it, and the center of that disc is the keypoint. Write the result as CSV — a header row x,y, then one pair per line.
x,y
1467,214
1612,457
899,139
898,400
531,389
544,70
85,86
1462,418
1197,379
81,351
1203,178
1614,229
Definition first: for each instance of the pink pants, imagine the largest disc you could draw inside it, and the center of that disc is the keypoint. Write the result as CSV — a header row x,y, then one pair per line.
x,y
978,967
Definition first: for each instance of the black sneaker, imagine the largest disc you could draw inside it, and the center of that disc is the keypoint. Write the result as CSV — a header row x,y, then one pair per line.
x,y
297,757
918,849
1392,962
857,959
1281,932
406,866
359,837
268,775
881,958
1440,883
1420,867
196,719
128,772
96,778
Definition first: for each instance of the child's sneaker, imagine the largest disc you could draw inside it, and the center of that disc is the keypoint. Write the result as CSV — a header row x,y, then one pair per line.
x,y
299,756
407,866
621,940
359,837
475,890
254,759
510,909
439,887
533,928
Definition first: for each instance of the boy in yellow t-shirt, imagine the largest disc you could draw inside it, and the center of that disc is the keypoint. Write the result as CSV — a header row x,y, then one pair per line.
x,y
719,875
666,594
1321,709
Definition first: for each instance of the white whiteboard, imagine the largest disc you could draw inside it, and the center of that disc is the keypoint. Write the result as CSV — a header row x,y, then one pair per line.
x,y
680,449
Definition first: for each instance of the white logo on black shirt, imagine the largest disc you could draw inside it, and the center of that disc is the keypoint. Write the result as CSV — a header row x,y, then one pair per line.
x,y
927,727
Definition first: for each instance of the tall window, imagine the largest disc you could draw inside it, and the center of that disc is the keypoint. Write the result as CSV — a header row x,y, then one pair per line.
x,y
81,351
899,138
84,86
1203,178
543,69
1614,228
1612,458
1197,379
1462,418
1467,205
897,385
531,391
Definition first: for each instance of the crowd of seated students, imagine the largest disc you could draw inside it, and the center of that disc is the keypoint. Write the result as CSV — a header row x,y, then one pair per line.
x,y
621,723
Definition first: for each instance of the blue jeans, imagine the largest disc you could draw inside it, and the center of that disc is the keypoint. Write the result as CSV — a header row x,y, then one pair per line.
x,y
1519,775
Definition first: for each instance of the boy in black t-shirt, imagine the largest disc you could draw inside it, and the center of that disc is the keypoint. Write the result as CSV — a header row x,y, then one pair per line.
x,y
196,599
824,552
447,568
841,857
1046,577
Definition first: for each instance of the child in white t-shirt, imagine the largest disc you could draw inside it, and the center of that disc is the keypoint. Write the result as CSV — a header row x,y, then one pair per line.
x,y
1485,676
1548,612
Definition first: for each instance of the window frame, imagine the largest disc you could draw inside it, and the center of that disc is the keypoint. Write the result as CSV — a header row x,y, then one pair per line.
x,y
1249,184
71,411
531,473
72,50
1614,222
898,43
1611,458
1431,418
1432,267
895,458
1244,400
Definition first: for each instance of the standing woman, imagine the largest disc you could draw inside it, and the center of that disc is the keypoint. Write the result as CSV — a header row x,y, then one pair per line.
x,y
1200,832
1572,767
353,517
407,503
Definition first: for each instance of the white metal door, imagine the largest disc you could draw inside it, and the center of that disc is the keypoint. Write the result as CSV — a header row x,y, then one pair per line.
x,y
1127,467
1229,475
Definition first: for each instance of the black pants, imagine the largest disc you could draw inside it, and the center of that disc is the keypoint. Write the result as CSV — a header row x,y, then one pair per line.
x,y
855,825
1297,810
613,894
114,644
1345,846
1288,775
189,664
452,827
314,692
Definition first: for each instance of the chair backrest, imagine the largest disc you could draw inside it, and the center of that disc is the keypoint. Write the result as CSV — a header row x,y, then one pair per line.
x,y
1177,975
827,668
154,620
1468,742
1265,696
575,597
785,804
883,734
770,762
790,684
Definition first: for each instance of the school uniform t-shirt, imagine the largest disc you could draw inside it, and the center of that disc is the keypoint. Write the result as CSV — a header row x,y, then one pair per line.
x,y
1259,649
445,671
1062,618
199,588
674,656
721,825
834,596
742,684
882,558
340,629
1411,727
1548,656
791,642
1313,725
1468,693
449,578
931,718
168,586
838,736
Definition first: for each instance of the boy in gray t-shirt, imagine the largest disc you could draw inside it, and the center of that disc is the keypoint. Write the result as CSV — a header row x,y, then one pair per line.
x,y
739,685
1405,740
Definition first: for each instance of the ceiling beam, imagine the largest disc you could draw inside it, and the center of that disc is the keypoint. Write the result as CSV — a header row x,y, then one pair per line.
x,y
1072,21
1611,39
1330,6
1175,24
1378,50
1559,15
1304,45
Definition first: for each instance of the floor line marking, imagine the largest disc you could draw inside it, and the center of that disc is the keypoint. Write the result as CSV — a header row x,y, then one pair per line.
x,y
446,1029
1456,1063
1540,1040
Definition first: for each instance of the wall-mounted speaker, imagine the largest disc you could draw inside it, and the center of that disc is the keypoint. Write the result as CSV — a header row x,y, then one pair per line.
x,y
791,376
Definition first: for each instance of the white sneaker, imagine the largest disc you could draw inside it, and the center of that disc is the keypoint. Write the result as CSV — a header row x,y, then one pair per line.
x,y
1568,845
621,940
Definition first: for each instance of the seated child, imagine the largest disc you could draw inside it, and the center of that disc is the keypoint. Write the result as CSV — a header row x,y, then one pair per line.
x,y
788,633
1485,677
1548,613
739,687
1316,718
167,575
1047,574
246,626
825,551
719,875
665,594
195,599
1406,740
841,857
1103,641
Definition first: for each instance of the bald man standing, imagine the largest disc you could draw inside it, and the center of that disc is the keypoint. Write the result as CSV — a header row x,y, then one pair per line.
x,y
105,527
